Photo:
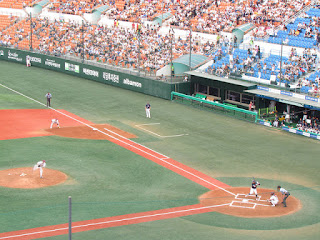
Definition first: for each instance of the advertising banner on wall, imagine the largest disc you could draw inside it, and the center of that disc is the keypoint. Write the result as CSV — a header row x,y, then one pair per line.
x,y
103,75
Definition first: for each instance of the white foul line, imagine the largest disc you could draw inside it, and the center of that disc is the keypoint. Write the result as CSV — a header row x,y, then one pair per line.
x,y
147,124
165,157
114,221
161,159
139,126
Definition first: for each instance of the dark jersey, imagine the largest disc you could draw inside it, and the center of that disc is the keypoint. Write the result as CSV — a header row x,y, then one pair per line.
x,y
148,106
254,185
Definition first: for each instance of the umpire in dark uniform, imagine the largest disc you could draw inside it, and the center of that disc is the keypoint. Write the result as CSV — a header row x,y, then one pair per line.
x,y
285,193
48,97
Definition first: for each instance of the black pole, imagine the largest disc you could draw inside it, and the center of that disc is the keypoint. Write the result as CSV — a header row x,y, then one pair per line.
x,y
171,36
281,62
82,42
31,31
70,219
139,46
190,47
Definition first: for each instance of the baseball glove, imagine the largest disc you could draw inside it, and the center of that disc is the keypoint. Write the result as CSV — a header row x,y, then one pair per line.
x,y
39,165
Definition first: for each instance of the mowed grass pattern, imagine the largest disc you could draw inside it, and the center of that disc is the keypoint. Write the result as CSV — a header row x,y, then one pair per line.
x,y
106,180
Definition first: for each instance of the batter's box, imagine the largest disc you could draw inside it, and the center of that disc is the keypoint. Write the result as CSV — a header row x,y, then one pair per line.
x,y
243,204
248,197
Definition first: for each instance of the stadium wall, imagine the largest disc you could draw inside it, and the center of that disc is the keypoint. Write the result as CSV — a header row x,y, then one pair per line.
x,y
103,75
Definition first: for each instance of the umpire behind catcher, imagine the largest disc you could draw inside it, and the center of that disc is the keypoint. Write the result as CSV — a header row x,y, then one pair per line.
x,y
285,193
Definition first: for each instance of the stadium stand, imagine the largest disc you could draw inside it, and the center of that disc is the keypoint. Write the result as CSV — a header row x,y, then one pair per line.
x,y
111,45
75,7
119,46
18,4
6,21
302,32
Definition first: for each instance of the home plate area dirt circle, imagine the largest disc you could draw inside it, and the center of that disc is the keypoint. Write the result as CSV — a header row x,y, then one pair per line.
x,y
26,178
242,205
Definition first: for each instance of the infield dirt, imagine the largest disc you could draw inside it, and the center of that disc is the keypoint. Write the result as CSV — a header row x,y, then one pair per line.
x,y
248,206
27,178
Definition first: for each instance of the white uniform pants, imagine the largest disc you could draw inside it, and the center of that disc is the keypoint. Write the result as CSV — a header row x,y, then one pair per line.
x,y
40,169
253,191
148,113
55,122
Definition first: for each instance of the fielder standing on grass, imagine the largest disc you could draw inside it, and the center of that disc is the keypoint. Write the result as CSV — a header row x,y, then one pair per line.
x,y
285,195
40,165
148,108
48,97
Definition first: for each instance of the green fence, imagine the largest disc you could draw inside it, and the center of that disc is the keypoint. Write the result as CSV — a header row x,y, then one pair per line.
x,y
215,106
99,74
267,113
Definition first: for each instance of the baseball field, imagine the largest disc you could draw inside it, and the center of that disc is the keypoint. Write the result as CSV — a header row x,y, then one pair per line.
x,y
182,174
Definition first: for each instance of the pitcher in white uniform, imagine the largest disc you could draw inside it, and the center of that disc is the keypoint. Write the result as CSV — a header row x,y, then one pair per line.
x,y
40,165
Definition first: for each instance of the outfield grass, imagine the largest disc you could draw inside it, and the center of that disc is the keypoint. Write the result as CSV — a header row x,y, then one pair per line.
x,y
106,180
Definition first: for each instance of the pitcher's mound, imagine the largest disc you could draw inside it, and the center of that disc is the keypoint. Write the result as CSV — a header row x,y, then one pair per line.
x,y
26,178
242,205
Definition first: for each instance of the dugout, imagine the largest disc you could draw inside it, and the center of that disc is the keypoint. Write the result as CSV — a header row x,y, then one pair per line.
x,y
224,90
285,101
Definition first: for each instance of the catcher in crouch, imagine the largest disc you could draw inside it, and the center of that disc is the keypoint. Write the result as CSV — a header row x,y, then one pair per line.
x,y
273,200
253,189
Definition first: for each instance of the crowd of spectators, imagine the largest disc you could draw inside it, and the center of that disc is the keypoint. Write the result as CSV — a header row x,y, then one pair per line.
x,y
75,7
213,16
135,11
112,45
18,4
120,45
216,16
310,125
210,16
298,65
271,14
229,59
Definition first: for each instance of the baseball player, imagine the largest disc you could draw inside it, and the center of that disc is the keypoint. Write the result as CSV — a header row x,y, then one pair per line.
x,y
28,61
148,108
48,97
253,189
273,199
55,121
40,165
285,195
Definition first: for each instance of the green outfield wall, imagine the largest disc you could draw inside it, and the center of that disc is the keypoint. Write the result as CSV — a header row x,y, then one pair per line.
x,y
103,75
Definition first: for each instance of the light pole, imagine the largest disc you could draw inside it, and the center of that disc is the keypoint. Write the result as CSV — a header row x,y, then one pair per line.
x,y
139,42
82,40
171,34
31,31
190,46
281,61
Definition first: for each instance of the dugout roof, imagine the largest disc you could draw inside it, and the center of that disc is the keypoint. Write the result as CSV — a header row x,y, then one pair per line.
x,y
220,79
285,99
196,60
162,17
